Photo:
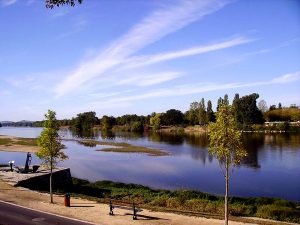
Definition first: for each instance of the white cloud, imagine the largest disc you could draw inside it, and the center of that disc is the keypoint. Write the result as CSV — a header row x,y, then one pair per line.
x,y
5,3
146,60
287,78
195,89
150,79
154,27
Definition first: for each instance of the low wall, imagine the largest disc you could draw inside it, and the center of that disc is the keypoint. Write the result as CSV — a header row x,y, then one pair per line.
x,y
61,180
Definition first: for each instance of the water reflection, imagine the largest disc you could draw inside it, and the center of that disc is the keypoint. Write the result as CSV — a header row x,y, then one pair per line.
x,y
271,168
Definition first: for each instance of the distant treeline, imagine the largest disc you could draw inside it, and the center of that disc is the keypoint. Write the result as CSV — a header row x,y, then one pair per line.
x,y
247,112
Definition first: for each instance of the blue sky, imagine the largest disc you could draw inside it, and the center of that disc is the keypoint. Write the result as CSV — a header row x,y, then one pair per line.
x,y
138,56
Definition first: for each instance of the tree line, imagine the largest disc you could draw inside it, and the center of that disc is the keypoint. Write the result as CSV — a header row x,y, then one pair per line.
x,y
245,108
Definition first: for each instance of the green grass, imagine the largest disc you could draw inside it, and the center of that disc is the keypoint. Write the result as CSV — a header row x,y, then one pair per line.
x,y
122,147
26,141
189,201
5,141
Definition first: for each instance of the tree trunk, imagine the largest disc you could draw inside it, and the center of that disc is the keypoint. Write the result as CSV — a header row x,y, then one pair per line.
x,y
51,194
226,195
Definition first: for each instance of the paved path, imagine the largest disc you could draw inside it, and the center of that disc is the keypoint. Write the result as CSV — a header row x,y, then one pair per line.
x,y
11,214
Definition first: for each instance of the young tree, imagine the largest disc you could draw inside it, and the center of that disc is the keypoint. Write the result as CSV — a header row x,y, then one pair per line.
x,y
50,145
225,144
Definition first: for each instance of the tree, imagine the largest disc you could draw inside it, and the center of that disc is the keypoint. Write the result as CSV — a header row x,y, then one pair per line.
x,y
85,121
193,115
225,144
226,100
209,112
172,117
50,145
262,106
155,121
246,111
202,112
279,105
220,102
51,3
107,122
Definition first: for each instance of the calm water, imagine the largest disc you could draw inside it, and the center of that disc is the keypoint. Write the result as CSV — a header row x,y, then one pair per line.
x,y
272,167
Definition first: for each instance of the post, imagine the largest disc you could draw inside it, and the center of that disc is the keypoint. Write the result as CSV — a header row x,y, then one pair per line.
x,y
226,194
51,194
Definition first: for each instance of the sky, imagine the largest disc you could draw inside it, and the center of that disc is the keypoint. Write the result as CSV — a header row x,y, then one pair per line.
x,y
119,57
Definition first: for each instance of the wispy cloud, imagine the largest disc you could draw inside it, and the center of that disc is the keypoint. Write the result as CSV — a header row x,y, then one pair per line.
x,y
287,78
151,59
197,88
157,25
5,3
149,79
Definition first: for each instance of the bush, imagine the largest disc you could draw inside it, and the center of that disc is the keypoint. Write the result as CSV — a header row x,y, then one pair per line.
x,y
278,213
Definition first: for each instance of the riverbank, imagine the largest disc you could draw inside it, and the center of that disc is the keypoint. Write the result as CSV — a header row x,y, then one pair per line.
x,y
95,212
189,202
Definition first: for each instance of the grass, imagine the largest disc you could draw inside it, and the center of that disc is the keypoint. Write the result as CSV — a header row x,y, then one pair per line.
x,y
18,141
122,147
188,201
5,141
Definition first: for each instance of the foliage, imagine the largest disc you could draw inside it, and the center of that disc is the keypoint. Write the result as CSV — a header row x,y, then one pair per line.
x,y
202,112
246,111
85,121
284,114
155,121
50,145
172,117
137,126
224,138
107,122
210,113
51,3
193,113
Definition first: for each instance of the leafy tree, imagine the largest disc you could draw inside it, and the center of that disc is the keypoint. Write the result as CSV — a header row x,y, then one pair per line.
x,y
137,126
279,105
225,144
85,121
210,113
226,100
50,145
51,3
155,121
193,115
220,102
202,112
262,106
172,117
107,122
246,111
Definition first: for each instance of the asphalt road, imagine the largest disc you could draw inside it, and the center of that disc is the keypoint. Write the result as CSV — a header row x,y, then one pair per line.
x,y
16,215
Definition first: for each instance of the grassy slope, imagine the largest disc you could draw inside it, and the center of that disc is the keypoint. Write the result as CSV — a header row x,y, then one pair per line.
x,y
192,201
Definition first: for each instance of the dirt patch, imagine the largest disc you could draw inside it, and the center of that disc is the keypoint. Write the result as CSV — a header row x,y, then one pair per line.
x,y
16,144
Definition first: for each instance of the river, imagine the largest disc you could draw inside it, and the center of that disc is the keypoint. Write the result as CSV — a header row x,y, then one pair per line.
x,y
271,169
